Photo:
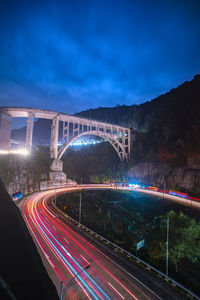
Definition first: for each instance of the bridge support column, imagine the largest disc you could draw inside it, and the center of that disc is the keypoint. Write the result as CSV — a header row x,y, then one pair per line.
x,y
54,138
29,132
5,130
56,175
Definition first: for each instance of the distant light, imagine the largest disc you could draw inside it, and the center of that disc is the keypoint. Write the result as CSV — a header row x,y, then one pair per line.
x,y
16,151
84,143
134,185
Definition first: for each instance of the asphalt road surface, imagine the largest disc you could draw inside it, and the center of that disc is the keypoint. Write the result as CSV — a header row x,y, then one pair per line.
x,y
86,272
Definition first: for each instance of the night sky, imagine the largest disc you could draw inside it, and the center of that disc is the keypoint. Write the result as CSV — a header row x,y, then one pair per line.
x,y
74,55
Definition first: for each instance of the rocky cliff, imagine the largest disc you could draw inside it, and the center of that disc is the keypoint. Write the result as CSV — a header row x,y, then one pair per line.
x,y
185,179
21,173
167,145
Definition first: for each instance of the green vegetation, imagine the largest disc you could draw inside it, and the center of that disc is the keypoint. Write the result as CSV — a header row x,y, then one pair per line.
x,y
125,218
184,239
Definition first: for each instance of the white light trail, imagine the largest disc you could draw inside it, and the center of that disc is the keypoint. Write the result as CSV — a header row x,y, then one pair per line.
x,y
17,151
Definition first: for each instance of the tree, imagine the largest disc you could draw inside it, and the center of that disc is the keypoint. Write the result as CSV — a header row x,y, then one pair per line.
x,y
184,238
118,227
154,250
95,179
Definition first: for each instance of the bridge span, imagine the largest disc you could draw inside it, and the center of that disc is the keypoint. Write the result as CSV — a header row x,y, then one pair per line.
x,y
72,128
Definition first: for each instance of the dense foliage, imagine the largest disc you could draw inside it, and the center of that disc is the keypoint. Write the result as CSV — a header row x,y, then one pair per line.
x,y
184,241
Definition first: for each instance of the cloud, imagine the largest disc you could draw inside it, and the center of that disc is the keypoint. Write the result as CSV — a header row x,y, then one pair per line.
x,y
71,55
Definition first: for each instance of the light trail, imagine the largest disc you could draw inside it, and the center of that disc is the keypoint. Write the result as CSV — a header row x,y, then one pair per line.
x,y
67,254
90,287
71,263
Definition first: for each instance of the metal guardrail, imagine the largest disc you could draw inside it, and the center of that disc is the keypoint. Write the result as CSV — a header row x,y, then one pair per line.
x,y
139,260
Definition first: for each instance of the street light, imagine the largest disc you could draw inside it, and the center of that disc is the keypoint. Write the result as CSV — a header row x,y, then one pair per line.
x,y
167,243
80,209
63,292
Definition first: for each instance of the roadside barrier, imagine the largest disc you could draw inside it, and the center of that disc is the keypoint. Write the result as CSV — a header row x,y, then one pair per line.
x,y
128,254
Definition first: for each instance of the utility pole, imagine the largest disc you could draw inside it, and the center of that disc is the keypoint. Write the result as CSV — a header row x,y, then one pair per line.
x,y
167,245
81,180
80,209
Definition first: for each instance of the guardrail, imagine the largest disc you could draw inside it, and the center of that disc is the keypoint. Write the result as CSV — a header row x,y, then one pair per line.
x,y
130,255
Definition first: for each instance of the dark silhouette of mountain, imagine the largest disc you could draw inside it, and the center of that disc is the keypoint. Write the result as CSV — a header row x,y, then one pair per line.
x,y
176,104
166,126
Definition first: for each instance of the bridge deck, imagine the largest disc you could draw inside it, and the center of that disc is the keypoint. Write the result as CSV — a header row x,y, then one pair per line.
x,y
23,112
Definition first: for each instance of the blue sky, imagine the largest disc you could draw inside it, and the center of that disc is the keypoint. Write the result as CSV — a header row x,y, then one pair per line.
x,y
75,55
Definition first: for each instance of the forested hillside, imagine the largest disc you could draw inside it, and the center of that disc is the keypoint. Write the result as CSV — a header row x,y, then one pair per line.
x,y
165,150
168,127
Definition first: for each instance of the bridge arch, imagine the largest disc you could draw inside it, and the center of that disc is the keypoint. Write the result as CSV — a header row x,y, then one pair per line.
x,y
73,127
106,136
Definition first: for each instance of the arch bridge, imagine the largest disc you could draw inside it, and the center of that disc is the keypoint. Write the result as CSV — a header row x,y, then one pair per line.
x,y
73,128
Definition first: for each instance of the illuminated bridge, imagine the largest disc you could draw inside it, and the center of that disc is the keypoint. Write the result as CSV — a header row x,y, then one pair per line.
x,y
73,128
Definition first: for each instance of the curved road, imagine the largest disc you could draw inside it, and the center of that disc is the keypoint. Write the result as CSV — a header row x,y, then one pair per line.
x,y
85,271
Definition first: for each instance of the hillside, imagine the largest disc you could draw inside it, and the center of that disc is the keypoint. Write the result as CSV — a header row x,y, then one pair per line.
x,y
166,148
166,125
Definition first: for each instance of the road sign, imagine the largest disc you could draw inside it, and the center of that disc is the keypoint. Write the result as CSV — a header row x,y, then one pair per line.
x,y
140,244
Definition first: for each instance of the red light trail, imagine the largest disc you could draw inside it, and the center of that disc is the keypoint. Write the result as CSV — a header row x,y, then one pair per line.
x,y
90,273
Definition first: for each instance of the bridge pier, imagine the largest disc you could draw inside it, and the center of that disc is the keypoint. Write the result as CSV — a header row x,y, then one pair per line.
x,y
56,174
5,130
29,131
54,138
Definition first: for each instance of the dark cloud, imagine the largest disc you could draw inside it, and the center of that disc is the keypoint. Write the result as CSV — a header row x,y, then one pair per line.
x,y
73,55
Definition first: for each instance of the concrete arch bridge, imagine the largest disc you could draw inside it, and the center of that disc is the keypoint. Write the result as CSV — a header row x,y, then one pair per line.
x,y
72,128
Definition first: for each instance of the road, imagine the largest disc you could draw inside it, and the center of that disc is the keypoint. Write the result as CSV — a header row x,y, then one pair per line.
x,y
85,271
